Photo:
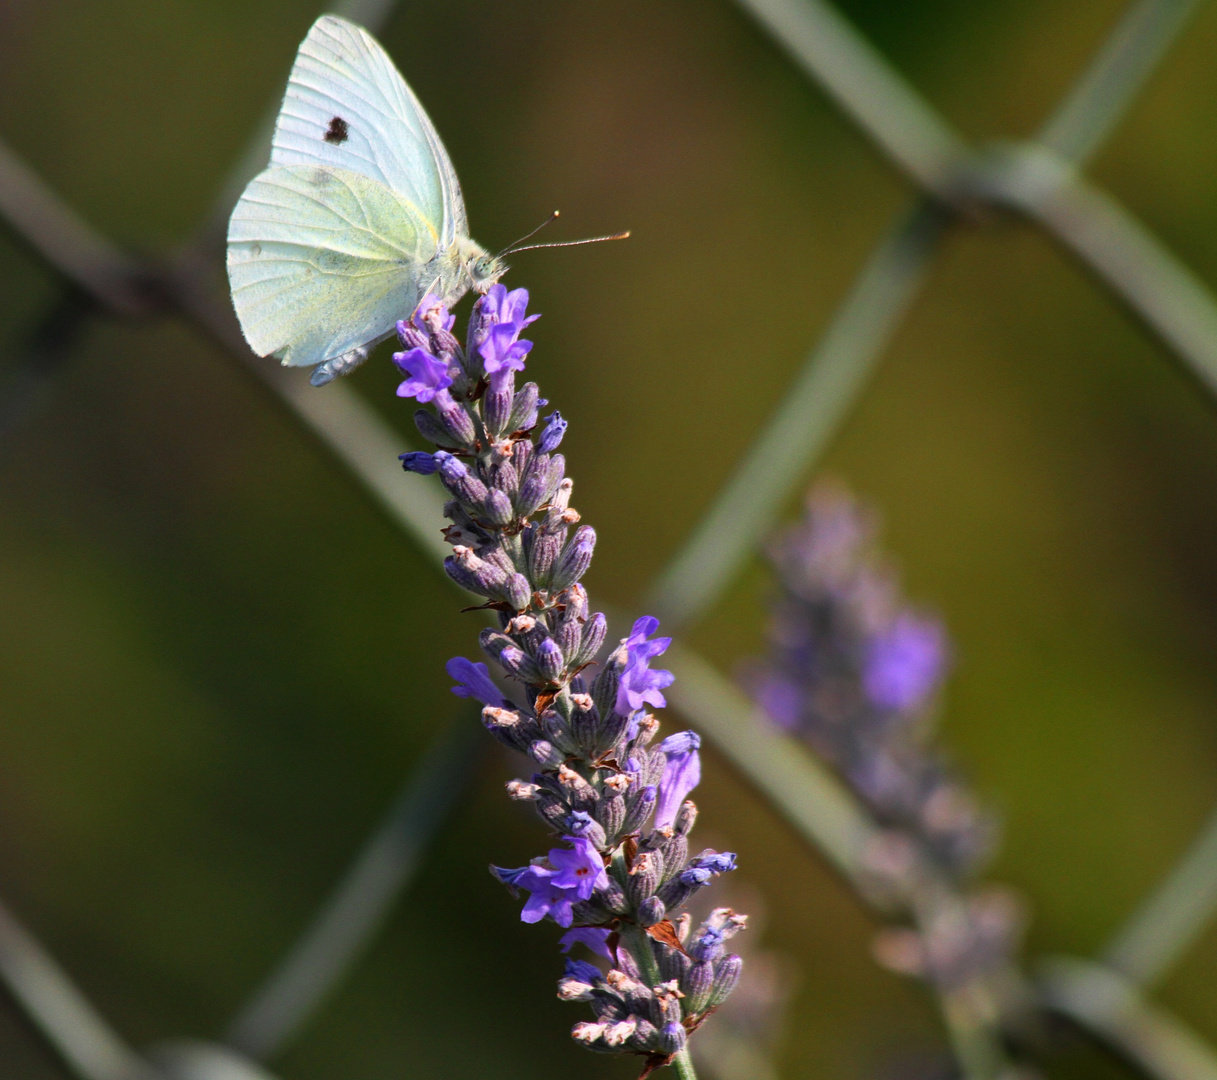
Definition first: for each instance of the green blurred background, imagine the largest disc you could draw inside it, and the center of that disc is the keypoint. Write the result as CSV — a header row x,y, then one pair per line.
x,y
217,660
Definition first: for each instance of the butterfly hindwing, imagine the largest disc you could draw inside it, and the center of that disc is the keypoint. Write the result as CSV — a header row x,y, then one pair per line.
x,y
348,107
323,260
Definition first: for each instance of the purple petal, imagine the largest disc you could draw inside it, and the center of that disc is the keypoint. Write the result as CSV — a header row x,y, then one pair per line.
x,y
594,937
905,663
473,681
680,776
428,376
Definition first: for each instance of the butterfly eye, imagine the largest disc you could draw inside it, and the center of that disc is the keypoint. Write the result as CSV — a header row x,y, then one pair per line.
x,y
483,267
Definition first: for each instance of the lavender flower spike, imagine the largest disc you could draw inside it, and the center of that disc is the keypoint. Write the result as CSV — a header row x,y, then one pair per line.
x,y
619,880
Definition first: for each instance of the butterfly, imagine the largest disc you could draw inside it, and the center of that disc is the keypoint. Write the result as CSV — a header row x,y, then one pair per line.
x,y
358,217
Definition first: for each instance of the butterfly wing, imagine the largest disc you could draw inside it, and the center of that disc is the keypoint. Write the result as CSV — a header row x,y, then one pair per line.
x,y
323,260
348,107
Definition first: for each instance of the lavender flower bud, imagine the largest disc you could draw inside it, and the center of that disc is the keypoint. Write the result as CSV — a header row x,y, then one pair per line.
x,y
618,784
672,1038
495,553
645,1036
525,630
554,728
617,1034
579,793
552,809
668,995
559,501
698,984
555,428
583,825
518,663
613,897
463,530
644,876
717,862
594,631
685,817
524,409
541,478
544,753
649,766
584,723
677,889
638,810
459,480
673,964
647,727
507,479
726,975
517,593
504,725
572,988
417,461
589,1034
608,1007
493,643
473,574
411,337
708,945
651,911
522,791
543,550
675,850
612,728
456,422
569,635
550,661
574,603
604,690
496,407
636,996
497,508
610,812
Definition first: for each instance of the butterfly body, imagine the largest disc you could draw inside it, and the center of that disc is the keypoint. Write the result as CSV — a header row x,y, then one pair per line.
x,y
357,218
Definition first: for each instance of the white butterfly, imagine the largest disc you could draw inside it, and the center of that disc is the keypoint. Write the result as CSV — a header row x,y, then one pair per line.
x,y
358,217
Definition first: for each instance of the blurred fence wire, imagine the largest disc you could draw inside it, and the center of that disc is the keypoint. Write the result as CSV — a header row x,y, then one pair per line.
x,y
956,184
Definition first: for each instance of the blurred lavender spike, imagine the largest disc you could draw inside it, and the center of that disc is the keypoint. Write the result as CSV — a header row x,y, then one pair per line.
x,y
854,672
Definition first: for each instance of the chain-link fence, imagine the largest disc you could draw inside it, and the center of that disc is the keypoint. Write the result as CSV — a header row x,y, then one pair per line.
x,y
1042,180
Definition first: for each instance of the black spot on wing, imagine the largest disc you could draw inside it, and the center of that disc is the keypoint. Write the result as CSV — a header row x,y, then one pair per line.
x,y
338,131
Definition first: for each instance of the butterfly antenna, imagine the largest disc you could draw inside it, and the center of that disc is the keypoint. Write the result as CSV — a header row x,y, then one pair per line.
x,y
572,243
527,236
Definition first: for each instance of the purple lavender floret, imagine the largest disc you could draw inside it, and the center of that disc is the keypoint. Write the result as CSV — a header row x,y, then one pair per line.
x,y
473,681
617,795
552,434
418,461
904,663
681,774
429,378
638,685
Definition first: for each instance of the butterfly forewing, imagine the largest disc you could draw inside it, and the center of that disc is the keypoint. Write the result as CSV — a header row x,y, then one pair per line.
x,y
323,260
348,107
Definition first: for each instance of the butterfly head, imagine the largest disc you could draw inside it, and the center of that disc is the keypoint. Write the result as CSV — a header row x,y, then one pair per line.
x,y
484,270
